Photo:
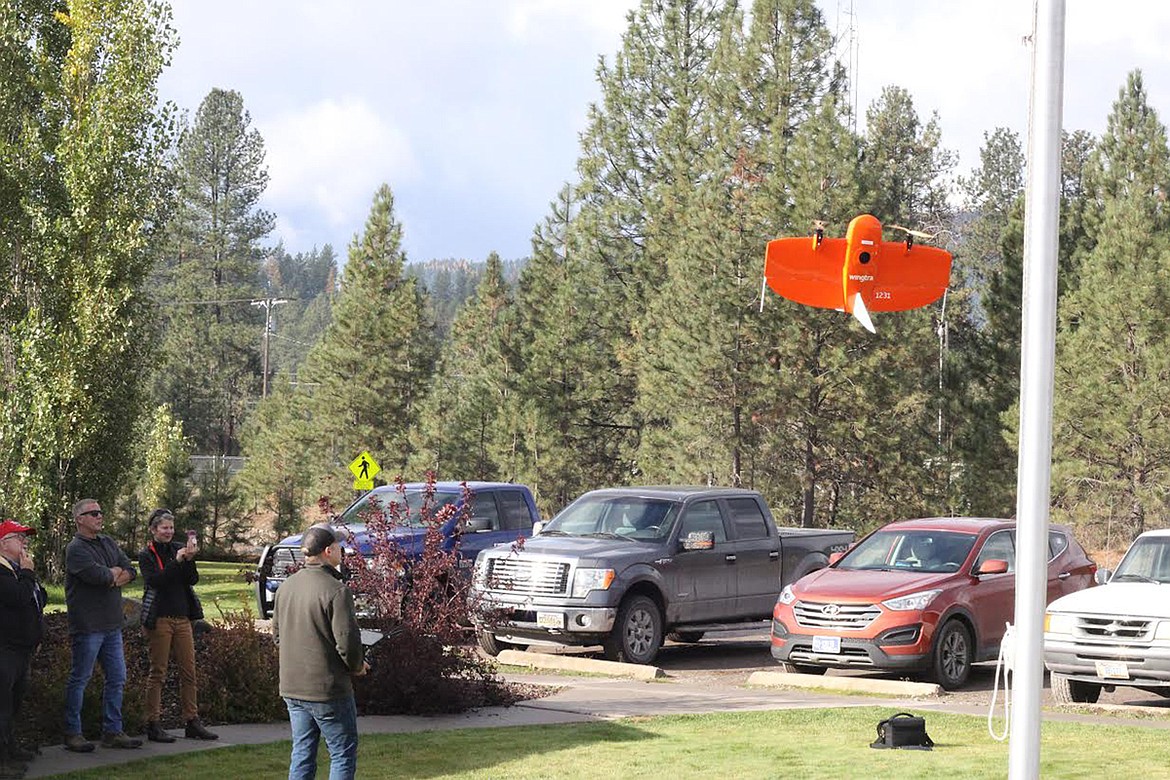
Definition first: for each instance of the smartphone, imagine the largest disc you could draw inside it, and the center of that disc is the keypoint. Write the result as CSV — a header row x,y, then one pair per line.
x,y
191,536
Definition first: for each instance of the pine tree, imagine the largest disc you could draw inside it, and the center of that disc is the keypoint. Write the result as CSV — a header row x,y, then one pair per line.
x,y
277,477
374,362
569,434
699,341
1110,444
463,431
211,368
644,137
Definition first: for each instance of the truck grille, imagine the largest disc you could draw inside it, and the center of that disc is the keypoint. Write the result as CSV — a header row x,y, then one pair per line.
x,y
285,560
526,575
845,617
1100,627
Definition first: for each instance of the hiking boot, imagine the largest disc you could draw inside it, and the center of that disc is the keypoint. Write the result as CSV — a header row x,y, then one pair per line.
x,y
118,739
155,732
78,743
196,730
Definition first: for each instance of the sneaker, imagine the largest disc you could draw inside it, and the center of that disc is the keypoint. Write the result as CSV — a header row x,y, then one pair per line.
x,y
78,743
196,730
118,739
155,732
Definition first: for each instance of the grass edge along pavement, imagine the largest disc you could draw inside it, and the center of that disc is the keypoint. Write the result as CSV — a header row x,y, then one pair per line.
x,y
800,743
221,583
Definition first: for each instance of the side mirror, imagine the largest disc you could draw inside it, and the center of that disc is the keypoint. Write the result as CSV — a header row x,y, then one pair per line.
x,y
1101,576
537,527
477,524
699,540
993,566
834,557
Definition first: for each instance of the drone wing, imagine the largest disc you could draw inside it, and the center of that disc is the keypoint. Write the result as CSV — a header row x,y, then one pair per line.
x,y
805,272
908,279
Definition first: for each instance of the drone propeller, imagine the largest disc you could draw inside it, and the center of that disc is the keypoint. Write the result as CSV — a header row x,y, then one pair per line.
x,y
916,233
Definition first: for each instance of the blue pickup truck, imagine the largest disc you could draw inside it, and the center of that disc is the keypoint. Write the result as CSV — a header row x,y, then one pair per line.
x,y
500,513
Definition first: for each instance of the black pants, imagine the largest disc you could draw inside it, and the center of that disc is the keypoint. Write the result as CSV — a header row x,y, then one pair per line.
x,y
14,664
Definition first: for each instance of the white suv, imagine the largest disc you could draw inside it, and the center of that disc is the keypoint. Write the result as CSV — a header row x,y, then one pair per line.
x,y
1118,634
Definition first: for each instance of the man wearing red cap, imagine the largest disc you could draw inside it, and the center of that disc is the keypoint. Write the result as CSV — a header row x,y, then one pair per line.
x,y
22,605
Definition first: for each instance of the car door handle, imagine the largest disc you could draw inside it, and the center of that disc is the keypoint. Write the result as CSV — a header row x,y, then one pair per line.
x,y
1064,575
773,555
730,557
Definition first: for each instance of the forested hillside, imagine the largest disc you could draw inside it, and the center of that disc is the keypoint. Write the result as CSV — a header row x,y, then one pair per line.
x,y
630,347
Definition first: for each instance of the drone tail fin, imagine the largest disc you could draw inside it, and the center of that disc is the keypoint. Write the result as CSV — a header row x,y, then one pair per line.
x,y
861,314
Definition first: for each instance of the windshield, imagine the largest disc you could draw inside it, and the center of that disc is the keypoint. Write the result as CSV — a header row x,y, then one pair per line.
x,y
623,517
912,550
379,501
1147,560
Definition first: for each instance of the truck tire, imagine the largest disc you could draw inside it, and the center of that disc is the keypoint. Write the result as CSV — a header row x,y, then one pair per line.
x,y
637,634
952,656
492,646
789,668
686,637
1066,691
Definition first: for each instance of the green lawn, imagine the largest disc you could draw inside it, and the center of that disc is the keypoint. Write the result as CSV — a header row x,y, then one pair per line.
x,y
824,743
220,583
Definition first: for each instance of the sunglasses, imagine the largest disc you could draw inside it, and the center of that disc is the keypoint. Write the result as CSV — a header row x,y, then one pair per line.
x,y
93,513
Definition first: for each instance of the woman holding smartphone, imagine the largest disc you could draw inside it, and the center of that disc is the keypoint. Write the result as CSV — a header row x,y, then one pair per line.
x,y
169,607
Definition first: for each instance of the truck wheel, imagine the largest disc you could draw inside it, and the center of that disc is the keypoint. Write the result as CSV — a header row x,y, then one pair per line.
x,y
952,655
789,668
637,635
1066,691
687,637
492,646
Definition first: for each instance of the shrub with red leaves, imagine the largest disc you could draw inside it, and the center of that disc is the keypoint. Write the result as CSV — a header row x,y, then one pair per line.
x,y
419,603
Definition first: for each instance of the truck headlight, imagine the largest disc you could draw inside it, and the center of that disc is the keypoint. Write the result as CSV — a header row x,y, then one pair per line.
x,y
586,580
479,573
787,596
1163,630
918,600
1059,623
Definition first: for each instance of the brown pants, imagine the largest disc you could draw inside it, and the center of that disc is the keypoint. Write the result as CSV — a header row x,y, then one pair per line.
x,y
171,634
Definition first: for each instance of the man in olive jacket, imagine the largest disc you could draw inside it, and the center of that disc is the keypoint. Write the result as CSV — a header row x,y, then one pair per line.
x,y
320,643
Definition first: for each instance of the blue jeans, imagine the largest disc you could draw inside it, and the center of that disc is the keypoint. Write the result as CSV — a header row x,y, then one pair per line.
x,y
104,647
336,720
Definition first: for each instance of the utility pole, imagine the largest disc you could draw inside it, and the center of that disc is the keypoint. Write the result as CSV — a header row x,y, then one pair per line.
x,y
267,303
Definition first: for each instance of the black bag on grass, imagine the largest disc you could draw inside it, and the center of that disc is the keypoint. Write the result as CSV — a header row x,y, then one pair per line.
x,y
903,731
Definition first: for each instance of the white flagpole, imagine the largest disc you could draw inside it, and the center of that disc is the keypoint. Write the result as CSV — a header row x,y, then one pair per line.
x,y
1038,346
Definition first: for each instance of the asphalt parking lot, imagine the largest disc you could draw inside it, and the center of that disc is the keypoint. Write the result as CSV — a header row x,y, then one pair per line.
x,y
729,658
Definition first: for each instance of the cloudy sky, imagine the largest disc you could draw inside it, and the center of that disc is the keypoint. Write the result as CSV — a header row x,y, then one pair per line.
x,y
471,110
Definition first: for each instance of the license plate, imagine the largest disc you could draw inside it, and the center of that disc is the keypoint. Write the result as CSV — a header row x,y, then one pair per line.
x,y
550,620
1112,670
827,644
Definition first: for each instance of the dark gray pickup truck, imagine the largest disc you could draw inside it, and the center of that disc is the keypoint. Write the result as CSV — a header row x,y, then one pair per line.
x,y
624,567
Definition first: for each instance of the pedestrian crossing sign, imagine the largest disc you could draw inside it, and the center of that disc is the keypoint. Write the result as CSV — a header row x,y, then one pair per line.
x,y
364,468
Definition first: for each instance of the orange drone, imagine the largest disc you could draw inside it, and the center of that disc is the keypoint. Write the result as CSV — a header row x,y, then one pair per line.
x,y
859,273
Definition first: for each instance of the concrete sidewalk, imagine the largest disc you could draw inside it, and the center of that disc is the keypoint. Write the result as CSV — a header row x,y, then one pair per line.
x,y
577,699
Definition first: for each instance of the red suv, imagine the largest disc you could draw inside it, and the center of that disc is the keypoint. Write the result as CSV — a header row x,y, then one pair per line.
x,y
916,594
